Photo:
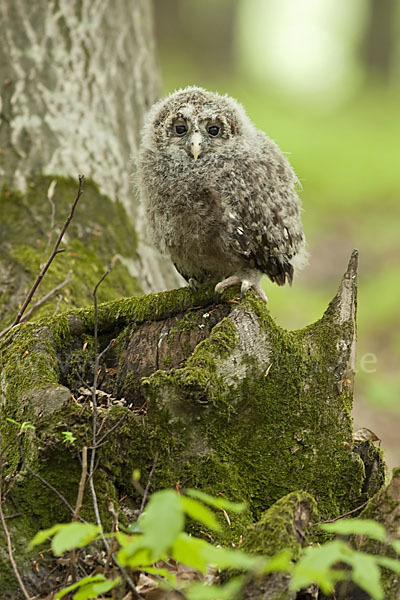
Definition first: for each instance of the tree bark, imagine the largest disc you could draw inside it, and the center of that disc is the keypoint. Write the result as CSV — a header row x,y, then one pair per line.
x,y
378,49
75,81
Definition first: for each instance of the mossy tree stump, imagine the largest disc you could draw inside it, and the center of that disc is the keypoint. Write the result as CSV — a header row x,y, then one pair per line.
x,y
229,402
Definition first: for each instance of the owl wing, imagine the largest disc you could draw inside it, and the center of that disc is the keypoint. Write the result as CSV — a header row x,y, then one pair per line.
x,y
263,210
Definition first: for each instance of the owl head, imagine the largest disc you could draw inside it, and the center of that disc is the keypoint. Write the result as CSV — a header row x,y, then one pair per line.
x,y
195,123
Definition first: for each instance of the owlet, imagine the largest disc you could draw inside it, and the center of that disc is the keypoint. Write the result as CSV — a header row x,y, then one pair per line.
x,y
219,195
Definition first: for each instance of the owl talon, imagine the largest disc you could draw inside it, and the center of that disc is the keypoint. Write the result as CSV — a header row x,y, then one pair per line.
x,y
216,297
246,285
224,285
193,284
260,293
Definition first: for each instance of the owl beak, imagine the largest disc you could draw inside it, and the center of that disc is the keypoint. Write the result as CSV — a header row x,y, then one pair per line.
x,y
195,145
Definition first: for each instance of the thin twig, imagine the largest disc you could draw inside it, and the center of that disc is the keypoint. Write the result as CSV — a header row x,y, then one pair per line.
x,y
107,433
52,488
82,484
39,303
74,556
106,349
94,399
114,528
9,546
42,480
94,442
59,300
53,253
345,514
47,296
147,488
50,196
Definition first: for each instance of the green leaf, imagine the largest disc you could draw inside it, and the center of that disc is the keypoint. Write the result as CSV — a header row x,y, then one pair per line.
x,y
44,534
191,551
27,425
367,575
66,536
199,512
366,527
68,437
198,554
224,558
73,535
216,502
390,563
279,562
133,527
396,545
93,590
162,521
199,591
168,575
78,584
315,566
137,555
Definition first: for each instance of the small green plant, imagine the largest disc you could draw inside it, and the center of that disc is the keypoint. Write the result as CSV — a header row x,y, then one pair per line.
x,y
22,426
68,437
159,535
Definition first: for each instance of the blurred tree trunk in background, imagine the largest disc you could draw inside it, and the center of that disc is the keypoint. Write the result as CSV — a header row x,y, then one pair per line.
x,y
378,46
75,81
205,29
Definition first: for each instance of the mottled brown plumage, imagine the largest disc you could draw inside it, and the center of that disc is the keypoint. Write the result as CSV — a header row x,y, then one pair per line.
x,y
219,195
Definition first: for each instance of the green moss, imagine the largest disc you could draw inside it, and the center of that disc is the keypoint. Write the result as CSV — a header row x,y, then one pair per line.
x,y
284,441
99,234
278,530
246,432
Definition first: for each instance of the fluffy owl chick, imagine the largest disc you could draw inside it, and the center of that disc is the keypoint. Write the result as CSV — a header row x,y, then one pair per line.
x,y
219,195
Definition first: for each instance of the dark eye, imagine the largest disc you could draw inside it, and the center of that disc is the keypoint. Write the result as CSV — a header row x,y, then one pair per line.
x,y
180,129
214,130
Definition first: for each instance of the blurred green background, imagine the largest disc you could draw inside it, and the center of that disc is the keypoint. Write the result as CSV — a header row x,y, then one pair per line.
x,y
322,78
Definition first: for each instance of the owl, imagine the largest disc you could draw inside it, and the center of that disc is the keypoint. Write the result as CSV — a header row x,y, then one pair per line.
x,y
219,196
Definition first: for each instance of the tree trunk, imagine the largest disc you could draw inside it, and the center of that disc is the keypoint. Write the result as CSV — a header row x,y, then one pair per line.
x,y
227,400
379,44
205,29
75,80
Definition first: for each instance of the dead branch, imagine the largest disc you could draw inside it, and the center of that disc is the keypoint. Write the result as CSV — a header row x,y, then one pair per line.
x,y
50,196
94,443
82,484
146,491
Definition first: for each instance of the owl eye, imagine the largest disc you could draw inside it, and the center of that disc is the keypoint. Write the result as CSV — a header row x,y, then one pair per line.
x,y
214,130
180,129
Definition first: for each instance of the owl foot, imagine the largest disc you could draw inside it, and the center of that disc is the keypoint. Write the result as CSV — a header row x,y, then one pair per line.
x,y
250,285
257,290
224,285
245,284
